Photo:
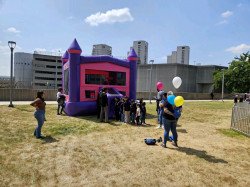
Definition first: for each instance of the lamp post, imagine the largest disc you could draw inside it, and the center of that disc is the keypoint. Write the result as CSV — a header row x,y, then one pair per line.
x,y
150,90
12,45
222,89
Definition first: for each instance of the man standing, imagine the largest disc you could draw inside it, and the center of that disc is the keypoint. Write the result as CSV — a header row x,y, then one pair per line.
x,y
104,105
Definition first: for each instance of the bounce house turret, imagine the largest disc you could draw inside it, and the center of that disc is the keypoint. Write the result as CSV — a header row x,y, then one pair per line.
x,y
132,58
65,57
74,75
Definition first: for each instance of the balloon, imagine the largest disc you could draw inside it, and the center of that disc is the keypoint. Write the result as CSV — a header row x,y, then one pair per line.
x,y
159,86
178,101
177,82
170,99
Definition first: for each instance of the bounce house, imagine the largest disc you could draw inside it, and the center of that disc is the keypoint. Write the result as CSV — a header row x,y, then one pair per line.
x,y
85,76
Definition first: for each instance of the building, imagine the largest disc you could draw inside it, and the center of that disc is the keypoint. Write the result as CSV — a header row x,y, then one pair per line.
x,y
141,49
183,54
39,70
102,49
180,56
23,70
196,79
174,57
47,71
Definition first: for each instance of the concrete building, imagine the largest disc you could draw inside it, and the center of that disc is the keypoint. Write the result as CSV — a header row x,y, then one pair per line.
x,y
23,70
174,57
196,79
180,56
38,70
102,49
47,71
141,49
183,54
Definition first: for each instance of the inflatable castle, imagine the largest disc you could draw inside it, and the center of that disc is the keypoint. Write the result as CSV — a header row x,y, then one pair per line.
x,y
85,76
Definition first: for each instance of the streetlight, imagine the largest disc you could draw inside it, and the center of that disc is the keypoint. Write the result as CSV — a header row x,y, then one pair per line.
x,y
150,90
222,89
12,45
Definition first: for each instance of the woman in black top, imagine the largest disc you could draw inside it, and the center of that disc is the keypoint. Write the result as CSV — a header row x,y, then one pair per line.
x,y
170,123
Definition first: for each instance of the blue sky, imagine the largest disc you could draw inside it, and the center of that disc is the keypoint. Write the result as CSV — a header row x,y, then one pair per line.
x,y
216,31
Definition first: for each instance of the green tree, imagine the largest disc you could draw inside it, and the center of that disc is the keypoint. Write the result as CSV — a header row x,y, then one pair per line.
x,y
237,76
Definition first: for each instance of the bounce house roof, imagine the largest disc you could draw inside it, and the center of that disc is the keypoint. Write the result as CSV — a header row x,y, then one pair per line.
x,y
104,58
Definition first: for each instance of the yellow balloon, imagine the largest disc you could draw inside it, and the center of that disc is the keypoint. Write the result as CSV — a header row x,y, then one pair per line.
x,y
178,101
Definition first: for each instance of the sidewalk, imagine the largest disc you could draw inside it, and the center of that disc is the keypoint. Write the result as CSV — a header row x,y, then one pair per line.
x,y
54,102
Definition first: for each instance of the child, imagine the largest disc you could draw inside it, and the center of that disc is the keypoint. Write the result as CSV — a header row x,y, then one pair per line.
x,y
143,113
121,110
138,114
132,111
117,109
60,100
126,110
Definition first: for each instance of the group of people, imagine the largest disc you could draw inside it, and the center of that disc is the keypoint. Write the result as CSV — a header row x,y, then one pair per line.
x,y
130,111
125,110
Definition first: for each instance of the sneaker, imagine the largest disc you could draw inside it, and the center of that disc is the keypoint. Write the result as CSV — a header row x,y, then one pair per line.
x,y
175,144
162,127
163,145
159,127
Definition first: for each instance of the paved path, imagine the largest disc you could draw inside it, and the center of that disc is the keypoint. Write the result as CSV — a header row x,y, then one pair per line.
x,y
54,102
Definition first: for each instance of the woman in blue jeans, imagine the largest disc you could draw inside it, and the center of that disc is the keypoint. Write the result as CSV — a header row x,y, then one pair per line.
x,y
170,123
39,114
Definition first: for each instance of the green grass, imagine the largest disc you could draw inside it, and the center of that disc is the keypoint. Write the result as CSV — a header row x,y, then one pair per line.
x,y
232,133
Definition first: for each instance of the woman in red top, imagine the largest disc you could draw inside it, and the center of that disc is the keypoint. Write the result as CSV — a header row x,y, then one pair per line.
x,y
39,114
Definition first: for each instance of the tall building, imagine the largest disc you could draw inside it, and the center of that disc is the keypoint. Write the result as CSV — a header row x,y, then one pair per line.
x,y
23,70
38,70
141,49
181,56
174,57
102,49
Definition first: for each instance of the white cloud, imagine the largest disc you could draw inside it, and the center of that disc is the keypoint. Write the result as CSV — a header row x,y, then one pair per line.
x,y
227,14
13,30
111,16
40,49
222,22
239,49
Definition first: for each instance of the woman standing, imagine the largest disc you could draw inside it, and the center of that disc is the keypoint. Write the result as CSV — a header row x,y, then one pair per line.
x,y
39,114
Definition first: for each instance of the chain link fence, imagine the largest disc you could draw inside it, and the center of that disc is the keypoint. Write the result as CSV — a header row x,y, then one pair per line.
x,y
240,120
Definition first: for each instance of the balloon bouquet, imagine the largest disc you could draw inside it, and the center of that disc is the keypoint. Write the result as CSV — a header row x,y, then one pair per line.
x,y
176,101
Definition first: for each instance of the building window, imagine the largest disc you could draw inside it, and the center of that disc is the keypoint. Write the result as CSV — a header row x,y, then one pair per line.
x,y
105,77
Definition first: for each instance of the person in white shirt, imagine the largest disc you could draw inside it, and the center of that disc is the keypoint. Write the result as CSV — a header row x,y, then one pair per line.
x,y
60,100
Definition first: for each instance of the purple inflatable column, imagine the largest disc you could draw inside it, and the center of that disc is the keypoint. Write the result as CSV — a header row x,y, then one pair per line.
x,y
74,71
132,58
64,58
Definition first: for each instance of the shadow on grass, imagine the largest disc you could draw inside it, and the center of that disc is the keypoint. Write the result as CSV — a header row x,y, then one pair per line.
x,y
182,130
151,116
49,139
201,154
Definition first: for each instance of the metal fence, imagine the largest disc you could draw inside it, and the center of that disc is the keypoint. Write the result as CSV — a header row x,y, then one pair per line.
x,y
240,120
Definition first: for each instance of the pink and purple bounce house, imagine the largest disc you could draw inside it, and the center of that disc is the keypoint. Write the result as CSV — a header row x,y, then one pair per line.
x,y
85,76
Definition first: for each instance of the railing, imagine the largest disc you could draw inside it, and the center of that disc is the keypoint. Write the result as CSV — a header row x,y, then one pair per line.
x,y
240,120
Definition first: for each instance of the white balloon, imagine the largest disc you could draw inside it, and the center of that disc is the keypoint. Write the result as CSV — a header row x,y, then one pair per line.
x,y
177,82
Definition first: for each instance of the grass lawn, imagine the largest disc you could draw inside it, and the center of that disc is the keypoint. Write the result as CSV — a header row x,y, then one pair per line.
x,y
80,151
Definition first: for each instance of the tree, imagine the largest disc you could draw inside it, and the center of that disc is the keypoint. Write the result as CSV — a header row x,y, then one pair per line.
x,y
237,76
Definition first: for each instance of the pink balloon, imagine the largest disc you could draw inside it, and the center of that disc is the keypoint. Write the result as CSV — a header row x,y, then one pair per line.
x,y
159,86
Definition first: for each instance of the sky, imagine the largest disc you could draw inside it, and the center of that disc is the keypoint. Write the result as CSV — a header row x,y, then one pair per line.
x,y
216,31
